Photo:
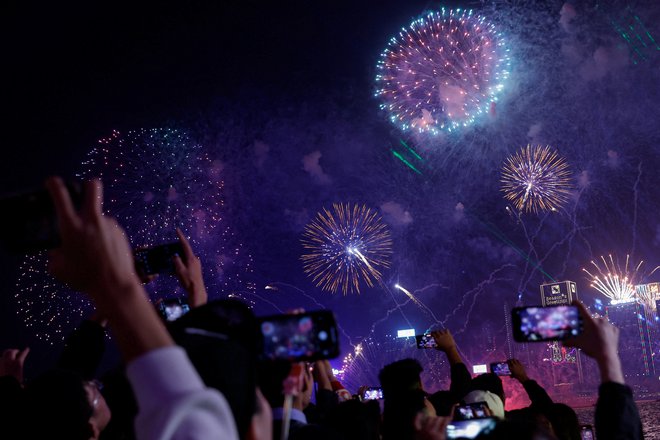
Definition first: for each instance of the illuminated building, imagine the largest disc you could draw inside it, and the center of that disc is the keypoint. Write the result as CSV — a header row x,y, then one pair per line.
x,y
634,340
565,362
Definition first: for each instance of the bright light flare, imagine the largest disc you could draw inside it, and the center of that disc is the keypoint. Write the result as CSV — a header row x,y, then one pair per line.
x,y
346,246
442,72
615,282
536,179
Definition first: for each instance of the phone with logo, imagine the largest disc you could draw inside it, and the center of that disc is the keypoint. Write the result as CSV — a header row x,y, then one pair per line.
x,y
536,324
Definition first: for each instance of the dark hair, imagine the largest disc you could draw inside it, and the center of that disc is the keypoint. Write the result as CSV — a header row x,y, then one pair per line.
x,y
442,401
399,414
221,341
355,420
60,405
400,376
489,382
564,422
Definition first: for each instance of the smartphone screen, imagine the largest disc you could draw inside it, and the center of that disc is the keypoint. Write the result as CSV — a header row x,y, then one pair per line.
x,y
173,309
500,368
532,324
469,411
586,432
470,428
301,337
157,259
425,341
373,393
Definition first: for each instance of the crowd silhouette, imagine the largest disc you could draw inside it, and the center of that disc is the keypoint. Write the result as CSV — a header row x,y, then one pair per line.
x,y
202,377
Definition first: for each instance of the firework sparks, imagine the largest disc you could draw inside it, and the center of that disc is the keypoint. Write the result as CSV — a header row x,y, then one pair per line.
x,y
442,72
536,179
346,246
615,282
154,181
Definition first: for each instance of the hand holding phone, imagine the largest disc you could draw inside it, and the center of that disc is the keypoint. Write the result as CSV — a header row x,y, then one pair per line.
x,y
469,411
172,309
306,336
535,324
500,368
29,222
425,341
470,428
157,259
372,393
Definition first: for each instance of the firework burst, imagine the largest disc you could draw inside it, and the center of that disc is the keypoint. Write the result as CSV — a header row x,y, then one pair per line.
x,y
155,180
536,179
442,72
346,246
615,282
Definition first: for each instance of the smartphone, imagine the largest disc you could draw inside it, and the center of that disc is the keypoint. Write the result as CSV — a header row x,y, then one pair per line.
x,y
28,220
469,411
301,337
425,341
533,324
157,259
372,393
500,368
470,428
587,432
172,309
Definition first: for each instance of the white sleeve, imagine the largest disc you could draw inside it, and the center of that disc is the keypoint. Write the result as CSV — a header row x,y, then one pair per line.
x,y
173,401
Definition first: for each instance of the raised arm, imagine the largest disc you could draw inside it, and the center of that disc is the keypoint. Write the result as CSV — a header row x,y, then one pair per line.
x,y
617,416
460,376
190,273
537,394
95,258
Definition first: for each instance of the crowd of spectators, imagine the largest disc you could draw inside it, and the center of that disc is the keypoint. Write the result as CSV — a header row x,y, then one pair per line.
x,y
201,377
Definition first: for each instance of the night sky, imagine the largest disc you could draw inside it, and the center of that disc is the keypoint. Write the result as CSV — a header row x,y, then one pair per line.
x,y
281,96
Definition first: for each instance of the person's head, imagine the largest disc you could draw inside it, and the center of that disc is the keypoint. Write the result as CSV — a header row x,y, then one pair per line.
x,y
442,401
489,382
221,340
355,420
564,422
399,413
493,401
66,406
400,376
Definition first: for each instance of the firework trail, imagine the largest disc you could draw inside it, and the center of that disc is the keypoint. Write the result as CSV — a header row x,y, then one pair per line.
x,y
346,246
536,179
442,72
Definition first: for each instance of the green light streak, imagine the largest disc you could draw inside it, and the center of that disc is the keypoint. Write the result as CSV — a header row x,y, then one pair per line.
x,y
402,159
535,264
411,150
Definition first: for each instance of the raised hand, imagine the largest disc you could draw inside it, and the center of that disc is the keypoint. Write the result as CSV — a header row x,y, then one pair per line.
x,y
12,361
190,273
